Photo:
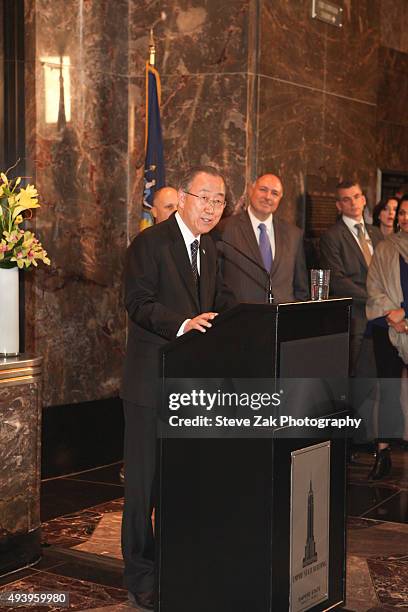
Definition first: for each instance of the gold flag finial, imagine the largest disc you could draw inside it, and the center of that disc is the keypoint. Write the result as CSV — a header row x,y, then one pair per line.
x,y
152,49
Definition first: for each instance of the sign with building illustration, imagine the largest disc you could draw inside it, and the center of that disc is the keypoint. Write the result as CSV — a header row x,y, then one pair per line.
x,y
309,527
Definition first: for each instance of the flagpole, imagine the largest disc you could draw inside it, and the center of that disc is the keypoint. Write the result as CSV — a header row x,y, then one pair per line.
x,y
154,173
152,49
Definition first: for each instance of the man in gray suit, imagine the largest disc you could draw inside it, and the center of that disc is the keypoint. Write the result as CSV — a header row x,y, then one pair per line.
x,y
259,252
346,249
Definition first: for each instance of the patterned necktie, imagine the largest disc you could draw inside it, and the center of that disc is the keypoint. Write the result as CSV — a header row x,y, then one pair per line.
x,y
363,243
265,247
194,249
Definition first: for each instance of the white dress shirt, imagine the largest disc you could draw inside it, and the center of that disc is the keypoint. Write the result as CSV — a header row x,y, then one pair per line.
x,y
188,238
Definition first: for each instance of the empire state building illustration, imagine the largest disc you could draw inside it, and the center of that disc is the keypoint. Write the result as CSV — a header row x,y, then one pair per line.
x,y
310,548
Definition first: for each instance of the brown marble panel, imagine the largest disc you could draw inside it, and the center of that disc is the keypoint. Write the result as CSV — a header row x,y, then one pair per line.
x,y
196,37
349,141
352,52
55,23
305,132
394,24
92,34
19,458
80,333
204,121
291,133
292,44
76,314
393,87
390,578
404,35
391,59
392,146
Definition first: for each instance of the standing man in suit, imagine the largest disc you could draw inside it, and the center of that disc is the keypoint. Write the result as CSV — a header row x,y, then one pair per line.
x,y
172,285
346,249
164,205
258,250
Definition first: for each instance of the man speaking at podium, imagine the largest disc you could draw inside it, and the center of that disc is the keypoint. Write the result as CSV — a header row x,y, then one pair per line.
x,y
261,254
172,285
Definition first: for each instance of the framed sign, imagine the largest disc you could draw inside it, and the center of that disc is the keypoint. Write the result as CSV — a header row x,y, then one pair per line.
x,y
309,527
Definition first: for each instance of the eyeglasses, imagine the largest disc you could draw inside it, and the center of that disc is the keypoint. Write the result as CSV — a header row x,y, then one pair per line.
x,y
206,201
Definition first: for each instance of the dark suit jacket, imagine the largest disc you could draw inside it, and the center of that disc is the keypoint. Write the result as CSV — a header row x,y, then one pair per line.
x,y
249,282
341,254
159,295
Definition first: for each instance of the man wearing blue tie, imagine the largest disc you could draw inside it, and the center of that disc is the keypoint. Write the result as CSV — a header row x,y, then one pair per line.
x,y
257,249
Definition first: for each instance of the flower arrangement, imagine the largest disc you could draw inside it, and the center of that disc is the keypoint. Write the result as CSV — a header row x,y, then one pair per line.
x,y
18,247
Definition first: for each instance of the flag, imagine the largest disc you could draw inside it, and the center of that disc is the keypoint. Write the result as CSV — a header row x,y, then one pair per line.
x,y
154,174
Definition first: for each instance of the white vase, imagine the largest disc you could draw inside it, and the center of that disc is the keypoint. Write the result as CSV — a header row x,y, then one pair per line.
x,y
9,311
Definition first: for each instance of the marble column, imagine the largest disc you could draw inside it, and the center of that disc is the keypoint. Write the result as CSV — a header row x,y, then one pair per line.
x,y
20,461
77,148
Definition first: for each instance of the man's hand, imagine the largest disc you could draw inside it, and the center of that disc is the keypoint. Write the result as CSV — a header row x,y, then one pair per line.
x,y
401,327
395,316
201,322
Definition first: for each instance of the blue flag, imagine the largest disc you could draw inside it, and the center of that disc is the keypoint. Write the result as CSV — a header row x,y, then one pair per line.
x,y
154,174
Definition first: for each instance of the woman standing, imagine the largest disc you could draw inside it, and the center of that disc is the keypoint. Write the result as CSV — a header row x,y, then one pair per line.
x,y
384,215
387,308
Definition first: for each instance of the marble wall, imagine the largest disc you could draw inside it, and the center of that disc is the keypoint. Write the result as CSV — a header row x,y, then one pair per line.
x,y
318,90
78,157
392,110
394,24
250,85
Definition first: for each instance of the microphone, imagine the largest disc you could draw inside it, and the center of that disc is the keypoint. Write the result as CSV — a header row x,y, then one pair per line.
x,y
257,264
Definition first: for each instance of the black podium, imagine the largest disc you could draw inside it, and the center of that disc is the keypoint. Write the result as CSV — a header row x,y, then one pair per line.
x,y
257,523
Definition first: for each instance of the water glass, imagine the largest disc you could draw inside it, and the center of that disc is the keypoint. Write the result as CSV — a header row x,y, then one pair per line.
x,y
319,284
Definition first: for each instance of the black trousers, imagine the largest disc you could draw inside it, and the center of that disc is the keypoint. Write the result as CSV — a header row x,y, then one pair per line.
x,y
389,370
140,497
363,386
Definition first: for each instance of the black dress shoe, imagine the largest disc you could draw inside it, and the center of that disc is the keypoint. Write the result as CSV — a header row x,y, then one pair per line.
x,y
382,466
143,601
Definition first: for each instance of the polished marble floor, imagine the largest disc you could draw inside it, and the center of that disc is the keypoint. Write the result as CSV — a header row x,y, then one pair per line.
x,y
81,517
